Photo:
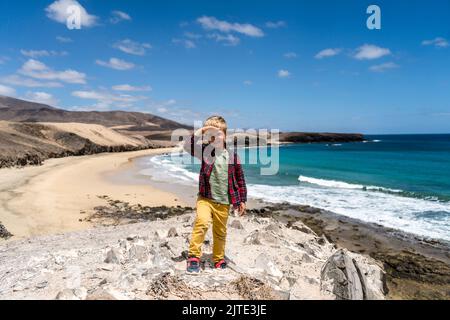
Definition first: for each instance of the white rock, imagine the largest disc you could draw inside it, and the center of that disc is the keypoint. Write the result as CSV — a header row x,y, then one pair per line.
x,y
269,267
112,256
172,232
72,294
138,252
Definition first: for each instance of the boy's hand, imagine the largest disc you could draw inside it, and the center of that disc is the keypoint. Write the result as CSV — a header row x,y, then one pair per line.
x,y
203,130
241,209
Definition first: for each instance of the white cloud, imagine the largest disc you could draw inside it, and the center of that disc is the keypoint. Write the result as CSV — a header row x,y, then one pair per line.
x,y
38,70
64,39
189,40
187,43
283,73
290,55
192,35
370,52
169,102
248,82
42,53
438,42
162,106
326,53
93,95
227,40
41,97
58,12
116,64
106,100
383,67
127,87
119,16
169,109
17,80
7,91
211,23
275,24
132,47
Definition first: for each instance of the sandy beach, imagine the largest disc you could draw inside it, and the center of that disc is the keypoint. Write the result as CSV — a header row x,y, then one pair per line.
x,y
54,197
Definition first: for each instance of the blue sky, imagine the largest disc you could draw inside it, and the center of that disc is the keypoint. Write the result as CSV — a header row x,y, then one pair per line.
x,y
292,65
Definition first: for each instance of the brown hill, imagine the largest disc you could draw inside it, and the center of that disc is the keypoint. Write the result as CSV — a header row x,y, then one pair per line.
x,y
12,109
24,143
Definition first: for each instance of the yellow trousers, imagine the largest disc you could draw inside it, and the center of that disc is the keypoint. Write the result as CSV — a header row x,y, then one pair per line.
x,y
207,211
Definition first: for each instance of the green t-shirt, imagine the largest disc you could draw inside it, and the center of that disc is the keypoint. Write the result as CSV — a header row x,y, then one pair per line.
x,y
219,178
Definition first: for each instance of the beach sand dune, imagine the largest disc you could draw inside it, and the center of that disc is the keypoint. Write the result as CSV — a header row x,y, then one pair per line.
x,y
96,133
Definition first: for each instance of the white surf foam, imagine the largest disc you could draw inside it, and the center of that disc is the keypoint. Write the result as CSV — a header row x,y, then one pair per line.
x,y
165,169
342,185
389,210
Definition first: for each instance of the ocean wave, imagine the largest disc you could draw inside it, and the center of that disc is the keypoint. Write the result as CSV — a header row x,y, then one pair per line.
x,y
390,210
164,169
344,185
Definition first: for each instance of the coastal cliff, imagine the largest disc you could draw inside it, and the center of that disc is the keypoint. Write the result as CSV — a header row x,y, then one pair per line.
x,y
312,137
24,144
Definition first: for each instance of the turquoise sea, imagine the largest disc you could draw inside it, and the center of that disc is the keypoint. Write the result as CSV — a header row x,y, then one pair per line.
x,y
400,181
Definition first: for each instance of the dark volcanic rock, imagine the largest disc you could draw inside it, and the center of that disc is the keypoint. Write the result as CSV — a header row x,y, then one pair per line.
x,y
236,224
117,212
5,234
310,137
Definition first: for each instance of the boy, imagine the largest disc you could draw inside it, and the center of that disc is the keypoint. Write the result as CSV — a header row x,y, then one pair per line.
x,y
221,183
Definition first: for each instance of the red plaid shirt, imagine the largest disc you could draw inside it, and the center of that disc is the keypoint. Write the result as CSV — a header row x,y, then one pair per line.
x,y
237,188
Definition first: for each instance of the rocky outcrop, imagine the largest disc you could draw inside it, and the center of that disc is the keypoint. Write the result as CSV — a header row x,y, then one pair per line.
x,y
268,258
312,137
5,234
253,139
348,277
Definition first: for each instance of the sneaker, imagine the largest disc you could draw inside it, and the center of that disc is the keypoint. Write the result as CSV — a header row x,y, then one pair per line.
x,y
193,265
222,264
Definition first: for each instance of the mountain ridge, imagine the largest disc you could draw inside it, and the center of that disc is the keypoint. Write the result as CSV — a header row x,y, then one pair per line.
x,y
17,110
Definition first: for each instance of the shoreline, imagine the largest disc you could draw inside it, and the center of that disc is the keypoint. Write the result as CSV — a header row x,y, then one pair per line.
x,y
54,197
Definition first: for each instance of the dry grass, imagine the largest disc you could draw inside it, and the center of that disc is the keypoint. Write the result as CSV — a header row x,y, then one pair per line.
x,y
253,289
